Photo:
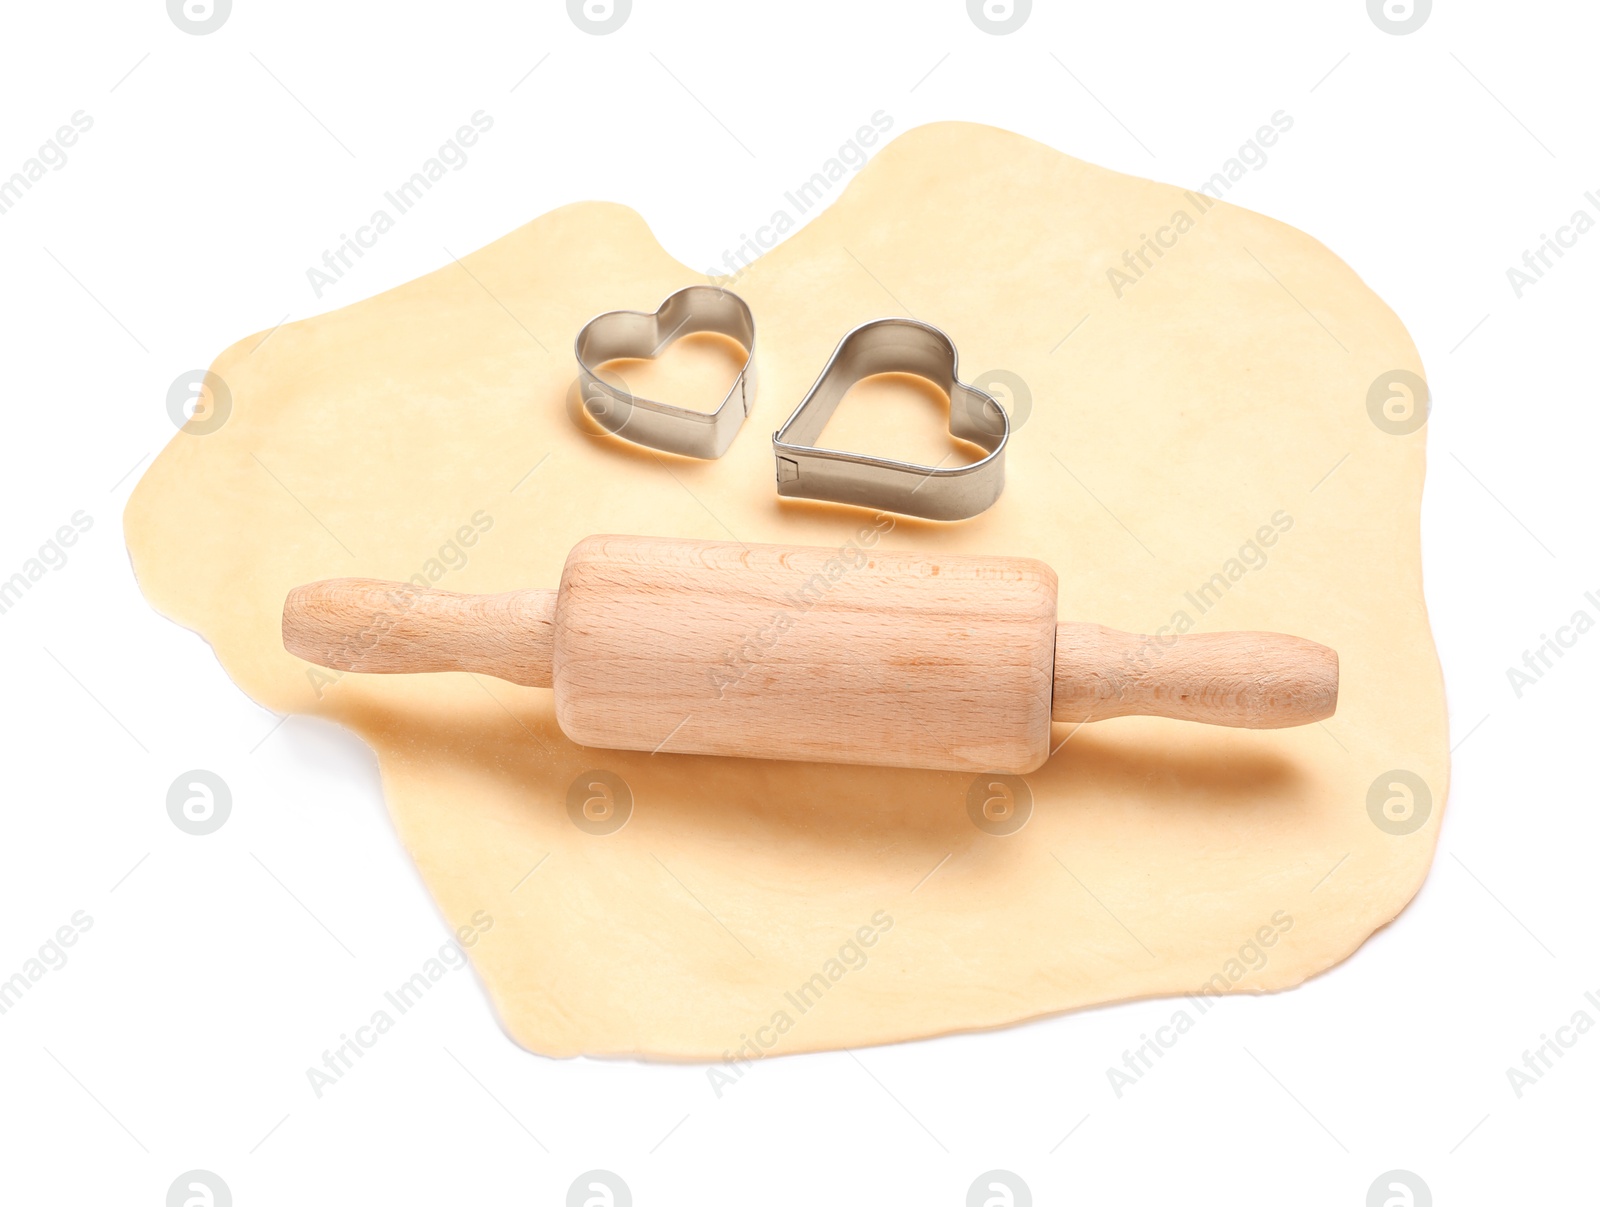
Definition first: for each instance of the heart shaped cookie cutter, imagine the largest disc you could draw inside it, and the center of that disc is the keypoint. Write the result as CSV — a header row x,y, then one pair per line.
x,y
894,346
634,334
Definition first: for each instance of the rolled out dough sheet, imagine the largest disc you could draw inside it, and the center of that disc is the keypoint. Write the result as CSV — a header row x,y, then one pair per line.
x,y
1197,452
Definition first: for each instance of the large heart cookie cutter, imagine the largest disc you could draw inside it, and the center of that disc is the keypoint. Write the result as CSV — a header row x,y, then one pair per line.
x,y
894,346
634,334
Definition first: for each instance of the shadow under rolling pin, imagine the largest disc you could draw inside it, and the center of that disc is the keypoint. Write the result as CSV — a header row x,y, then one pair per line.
x,y
851,655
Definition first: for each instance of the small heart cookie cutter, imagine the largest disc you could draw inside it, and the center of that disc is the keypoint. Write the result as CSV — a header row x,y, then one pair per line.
x,y
634,334
894,346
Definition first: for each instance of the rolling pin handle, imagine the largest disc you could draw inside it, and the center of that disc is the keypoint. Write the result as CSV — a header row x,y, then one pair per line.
x,y
389,628
1247,680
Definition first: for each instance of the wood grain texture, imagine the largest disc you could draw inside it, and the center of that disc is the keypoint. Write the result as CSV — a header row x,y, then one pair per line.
x,y
1248,680
365,624
788,652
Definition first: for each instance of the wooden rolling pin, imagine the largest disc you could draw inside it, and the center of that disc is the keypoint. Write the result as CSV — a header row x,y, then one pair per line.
x,y
834,656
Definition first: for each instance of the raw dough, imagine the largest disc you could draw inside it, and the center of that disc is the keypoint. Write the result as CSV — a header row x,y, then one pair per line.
x,y
1220,401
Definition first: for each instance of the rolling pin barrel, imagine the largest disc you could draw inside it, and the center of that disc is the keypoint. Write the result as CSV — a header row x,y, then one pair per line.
x,y
824,655
854,655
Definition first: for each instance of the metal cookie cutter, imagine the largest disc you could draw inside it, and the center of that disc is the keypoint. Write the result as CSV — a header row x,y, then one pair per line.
x,y
632,333
894,346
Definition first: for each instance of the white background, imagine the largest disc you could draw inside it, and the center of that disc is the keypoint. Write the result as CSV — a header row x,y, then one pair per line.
x,y
219,168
